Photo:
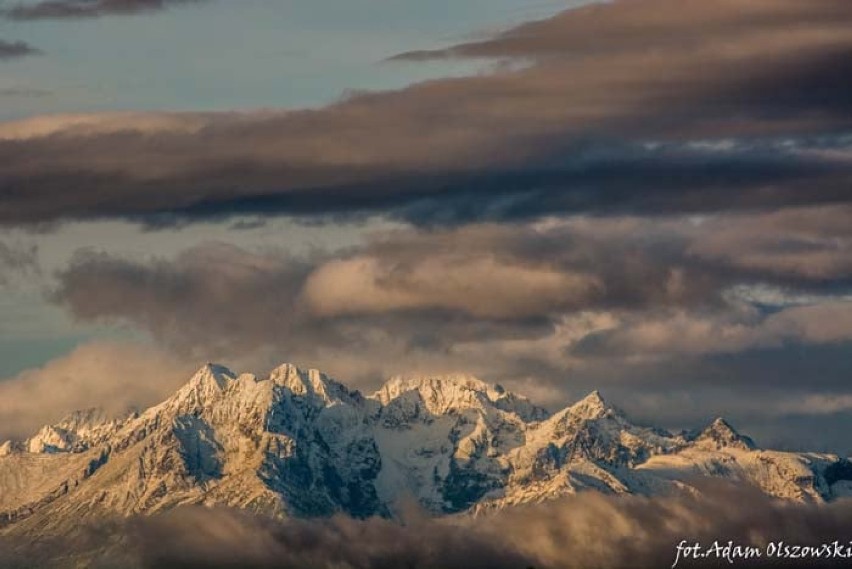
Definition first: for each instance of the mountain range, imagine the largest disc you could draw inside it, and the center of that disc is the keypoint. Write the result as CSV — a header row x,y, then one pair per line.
x,y
298,443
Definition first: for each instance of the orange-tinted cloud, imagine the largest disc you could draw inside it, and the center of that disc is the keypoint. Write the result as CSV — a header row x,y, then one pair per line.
x,y
114,376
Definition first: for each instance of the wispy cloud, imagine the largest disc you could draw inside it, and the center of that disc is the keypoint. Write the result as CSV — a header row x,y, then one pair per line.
x,y
66,9
16,49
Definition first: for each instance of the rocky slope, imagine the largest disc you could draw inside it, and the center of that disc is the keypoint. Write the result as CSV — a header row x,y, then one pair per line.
x,y
299,443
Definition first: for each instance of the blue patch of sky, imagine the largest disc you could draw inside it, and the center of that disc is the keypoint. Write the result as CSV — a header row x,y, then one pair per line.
x,y
224,54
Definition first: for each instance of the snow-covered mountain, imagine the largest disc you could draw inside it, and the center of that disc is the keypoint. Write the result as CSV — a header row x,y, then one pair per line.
x,y
299,443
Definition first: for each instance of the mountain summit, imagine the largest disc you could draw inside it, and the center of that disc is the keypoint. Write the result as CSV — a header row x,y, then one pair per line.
x,y
299,443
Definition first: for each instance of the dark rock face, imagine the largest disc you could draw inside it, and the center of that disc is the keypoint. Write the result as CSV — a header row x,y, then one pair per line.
x,y
837,472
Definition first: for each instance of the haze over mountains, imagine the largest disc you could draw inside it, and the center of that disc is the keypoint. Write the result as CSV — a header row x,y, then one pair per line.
x,y
297,443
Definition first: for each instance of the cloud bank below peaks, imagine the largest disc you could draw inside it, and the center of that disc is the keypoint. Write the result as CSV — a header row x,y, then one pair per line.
x,y
589,530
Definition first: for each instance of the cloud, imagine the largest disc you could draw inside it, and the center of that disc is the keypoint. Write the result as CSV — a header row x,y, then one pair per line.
x,y
589,530
363,285
102,124
564,305
115,376
795,244
593,30
15,49
65,9
682,333
605,123
583,263
215,297
676,267
17,259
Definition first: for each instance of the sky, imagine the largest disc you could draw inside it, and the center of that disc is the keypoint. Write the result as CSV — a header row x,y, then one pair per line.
x,y
229,55
652,198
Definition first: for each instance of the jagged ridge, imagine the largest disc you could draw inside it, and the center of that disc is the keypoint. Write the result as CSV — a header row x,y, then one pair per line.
x,y
297,442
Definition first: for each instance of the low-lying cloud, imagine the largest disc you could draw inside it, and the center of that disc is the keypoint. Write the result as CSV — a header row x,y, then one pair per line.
x,y
586,531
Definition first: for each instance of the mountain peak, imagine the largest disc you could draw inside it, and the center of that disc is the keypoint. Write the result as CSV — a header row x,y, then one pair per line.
x,y
84,418
76,431
721,423
401,383
214,374
457,392
720,434
207,383
592,406
595,398
309,382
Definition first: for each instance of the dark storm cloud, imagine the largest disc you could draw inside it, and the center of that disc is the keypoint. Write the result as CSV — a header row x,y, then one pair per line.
x,y
63,9
15,49
623,180
567,133
589,530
